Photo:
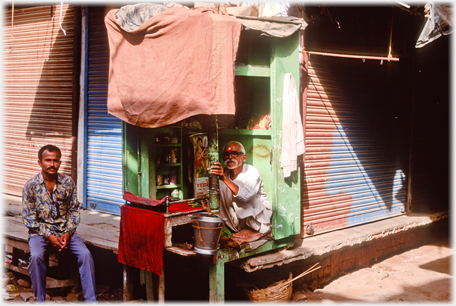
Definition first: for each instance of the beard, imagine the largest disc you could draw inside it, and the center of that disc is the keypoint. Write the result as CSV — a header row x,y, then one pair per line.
x,y
232,166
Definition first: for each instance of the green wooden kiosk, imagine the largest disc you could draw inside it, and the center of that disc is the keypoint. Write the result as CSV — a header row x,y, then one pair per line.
x,y
260,68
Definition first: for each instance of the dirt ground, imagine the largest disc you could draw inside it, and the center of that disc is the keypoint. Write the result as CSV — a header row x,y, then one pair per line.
x,y
421,275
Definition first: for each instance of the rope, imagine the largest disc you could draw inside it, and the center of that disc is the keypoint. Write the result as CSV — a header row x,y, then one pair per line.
x,y
12,27
210,228
60,20
391,38
310,270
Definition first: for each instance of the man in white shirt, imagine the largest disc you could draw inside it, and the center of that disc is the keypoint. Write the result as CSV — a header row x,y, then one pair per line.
x,y
243,201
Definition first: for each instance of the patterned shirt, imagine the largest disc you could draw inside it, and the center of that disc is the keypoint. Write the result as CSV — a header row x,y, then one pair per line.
x,y
45,214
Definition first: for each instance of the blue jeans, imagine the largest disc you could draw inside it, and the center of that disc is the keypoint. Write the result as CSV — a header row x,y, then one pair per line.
x,y
38,247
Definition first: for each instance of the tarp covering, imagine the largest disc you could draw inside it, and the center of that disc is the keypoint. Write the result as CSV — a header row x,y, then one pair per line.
x,y
273,26
439,22
177,64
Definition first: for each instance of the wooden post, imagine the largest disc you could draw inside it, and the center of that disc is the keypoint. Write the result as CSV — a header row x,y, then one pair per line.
x,y
127,284
149,287
161,287
213,156
217,282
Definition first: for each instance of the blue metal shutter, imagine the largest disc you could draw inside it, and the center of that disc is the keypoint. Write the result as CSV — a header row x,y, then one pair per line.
x,y
355,164
104,143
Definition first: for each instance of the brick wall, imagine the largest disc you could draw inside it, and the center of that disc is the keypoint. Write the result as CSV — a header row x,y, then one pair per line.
x,y
351,258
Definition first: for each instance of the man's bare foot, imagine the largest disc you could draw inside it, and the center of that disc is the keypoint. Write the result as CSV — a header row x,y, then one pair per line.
x,y
246,233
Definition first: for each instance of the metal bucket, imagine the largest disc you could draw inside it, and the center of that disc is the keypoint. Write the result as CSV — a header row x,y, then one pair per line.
x,y
207,230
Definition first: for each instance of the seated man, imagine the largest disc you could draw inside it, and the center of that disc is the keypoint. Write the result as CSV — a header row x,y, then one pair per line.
x,y
243,201
51,214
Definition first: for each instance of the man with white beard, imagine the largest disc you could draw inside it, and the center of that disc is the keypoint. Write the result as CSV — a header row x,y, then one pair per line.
x,y
243,201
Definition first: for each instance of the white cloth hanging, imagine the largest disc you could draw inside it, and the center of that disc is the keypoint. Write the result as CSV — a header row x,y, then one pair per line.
x,y
292,135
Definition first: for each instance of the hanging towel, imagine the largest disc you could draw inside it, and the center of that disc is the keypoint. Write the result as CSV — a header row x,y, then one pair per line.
x,y
292,135
141,239
142,236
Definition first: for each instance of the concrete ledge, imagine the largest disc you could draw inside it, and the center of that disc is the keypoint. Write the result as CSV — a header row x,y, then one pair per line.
x,y
356,236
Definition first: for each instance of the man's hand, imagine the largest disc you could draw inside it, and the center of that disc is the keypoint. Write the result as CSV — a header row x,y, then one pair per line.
x,y
217,169
65,239
223,175
60,243
55,241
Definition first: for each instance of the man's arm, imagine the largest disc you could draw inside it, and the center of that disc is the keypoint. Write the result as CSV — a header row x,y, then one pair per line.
x,y
73,215
217,169
249,186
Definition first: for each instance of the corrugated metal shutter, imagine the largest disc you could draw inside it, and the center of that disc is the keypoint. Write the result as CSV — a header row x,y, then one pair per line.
x,y
38,89
104,142
352,175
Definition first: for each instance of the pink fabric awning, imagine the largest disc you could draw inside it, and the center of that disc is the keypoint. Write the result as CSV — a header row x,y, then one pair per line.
x,y
177,64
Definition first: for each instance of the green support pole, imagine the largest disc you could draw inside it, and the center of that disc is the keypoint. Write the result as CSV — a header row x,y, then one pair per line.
x,y
213,156
217,282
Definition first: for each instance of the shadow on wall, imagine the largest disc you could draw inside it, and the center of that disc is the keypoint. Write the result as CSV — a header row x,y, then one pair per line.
x,y
52,89
356,146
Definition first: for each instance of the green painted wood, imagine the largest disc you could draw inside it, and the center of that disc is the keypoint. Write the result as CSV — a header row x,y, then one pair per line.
x,y
258,71
226,255
140,152
130,165
253,49
245,132
257,147
217,282
217,270
152,167
287,199
144,175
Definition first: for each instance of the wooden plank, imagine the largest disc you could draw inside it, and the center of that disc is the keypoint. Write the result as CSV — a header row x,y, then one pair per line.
x,y
15,229
17,269
50,282
258,71
181,251
21,245
105,238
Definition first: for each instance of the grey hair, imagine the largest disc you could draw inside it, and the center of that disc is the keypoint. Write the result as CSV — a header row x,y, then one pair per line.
x,y
236,142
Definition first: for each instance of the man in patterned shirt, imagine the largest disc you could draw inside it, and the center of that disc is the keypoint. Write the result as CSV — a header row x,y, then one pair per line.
x,y
51,214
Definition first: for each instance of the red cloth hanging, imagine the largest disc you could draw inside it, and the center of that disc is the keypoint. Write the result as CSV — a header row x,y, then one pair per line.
x,y
141,239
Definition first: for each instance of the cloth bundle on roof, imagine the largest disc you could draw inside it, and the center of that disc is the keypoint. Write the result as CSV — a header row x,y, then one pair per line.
x,y
132,16
177,64
439,22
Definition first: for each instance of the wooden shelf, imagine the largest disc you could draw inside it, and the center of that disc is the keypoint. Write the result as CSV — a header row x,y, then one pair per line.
x,y
167,165
169,186
252,71
168,144
245,132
